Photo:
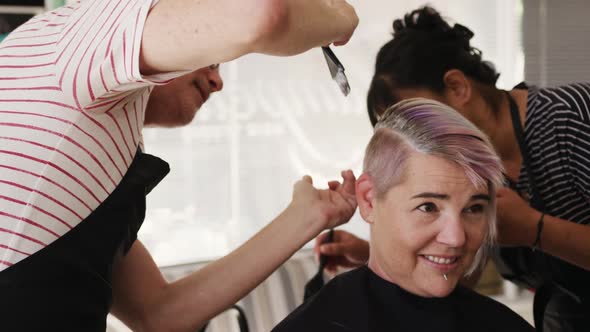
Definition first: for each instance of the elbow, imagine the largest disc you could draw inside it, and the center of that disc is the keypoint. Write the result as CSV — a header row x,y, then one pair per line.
x,y
170,314
154,322
170,323
157,319
150,316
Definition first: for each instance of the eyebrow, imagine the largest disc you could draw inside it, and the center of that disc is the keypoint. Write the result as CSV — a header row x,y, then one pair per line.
x,y
481,196
431,195
446,197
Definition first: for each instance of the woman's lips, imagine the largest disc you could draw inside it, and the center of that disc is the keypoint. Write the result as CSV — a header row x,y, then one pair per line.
x,y
444,264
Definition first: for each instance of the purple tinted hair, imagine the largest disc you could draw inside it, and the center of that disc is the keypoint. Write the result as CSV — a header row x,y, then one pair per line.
x,y
429,127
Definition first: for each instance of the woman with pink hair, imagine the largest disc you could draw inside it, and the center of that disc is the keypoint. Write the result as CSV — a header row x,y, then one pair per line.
x,y
428,192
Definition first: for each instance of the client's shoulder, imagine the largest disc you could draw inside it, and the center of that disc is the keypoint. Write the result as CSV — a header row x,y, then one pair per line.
x,y
338,306
486,311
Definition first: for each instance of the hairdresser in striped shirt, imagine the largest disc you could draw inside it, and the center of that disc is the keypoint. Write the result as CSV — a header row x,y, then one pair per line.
x,y
77,85
543,138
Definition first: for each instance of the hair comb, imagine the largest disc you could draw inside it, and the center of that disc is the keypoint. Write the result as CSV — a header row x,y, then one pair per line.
x,y
336,70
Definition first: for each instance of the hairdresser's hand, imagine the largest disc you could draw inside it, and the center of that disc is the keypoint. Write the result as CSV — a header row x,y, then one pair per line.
x,y
346,250
517,221
345,23
324,208
309,24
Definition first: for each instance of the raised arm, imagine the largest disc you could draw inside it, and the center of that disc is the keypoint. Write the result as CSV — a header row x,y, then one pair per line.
x,y
146,302
191,34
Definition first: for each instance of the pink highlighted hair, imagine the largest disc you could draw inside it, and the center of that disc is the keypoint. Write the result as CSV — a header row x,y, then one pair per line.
x,y
429,127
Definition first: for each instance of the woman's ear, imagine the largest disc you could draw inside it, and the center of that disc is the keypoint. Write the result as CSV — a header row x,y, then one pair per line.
x,y
365,196
458,88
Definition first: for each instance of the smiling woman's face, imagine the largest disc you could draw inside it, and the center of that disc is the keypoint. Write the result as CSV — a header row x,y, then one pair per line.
x,y
429,225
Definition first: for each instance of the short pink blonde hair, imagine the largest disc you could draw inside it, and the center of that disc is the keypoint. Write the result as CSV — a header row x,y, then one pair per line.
x,y
429,127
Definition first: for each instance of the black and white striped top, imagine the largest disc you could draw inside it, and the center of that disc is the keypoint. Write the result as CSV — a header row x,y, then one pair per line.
x,y
557,136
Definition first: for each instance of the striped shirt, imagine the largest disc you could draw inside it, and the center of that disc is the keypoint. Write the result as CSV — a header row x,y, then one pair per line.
x,y
72,103
557,136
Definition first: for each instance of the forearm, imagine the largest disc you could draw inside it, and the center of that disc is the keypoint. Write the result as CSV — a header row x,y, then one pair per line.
x,y
193,300
307,24
191,34
144,300
566,240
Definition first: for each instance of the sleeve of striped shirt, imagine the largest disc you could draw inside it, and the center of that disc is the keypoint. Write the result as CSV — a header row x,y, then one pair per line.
x,y
102,45
576,97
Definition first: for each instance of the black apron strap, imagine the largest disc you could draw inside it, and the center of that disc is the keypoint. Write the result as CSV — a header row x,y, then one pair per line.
x,y
540,302
536,201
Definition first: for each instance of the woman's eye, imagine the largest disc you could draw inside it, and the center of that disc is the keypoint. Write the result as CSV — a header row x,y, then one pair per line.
x,y
427,207
477,208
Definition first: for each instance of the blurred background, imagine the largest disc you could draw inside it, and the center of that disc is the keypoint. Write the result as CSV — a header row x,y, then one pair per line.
x,y
280,118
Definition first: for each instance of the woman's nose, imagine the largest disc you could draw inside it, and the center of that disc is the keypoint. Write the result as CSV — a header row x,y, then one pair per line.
x,y
452,232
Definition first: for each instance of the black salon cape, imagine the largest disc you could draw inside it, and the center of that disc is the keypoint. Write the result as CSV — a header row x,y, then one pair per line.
x,y
361,301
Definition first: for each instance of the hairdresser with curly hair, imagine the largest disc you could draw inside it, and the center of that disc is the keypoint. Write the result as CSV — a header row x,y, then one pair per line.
x,y
543,138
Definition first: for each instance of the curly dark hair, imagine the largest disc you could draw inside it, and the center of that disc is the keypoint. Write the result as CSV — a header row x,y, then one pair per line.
x,y
424,47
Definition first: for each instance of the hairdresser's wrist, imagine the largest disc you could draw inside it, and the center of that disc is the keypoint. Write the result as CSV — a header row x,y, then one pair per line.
x,y
529,234
537,230
303,221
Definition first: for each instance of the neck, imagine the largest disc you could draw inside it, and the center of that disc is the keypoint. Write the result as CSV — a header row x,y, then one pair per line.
x,y
376,267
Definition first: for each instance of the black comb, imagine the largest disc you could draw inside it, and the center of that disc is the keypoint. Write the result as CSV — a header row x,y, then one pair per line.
x,y
317,281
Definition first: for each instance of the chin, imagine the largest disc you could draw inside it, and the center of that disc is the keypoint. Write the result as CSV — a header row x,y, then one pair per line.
x,y
186,121
171,123
440,288
444,290
182,118
173,117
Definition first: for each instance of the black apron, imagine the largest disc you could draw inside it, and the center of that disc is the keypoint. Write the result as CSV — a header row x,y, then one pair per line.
x,y
66,286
